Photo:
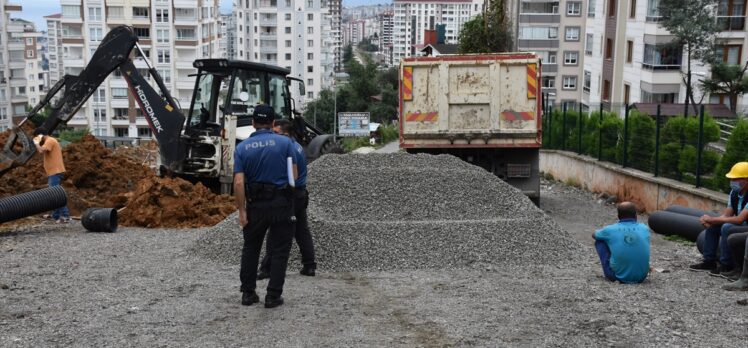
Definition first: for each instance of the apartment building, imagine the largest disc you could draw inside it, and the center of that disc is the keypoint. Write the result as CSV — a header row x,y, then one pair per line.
x,y
228,37
172,33
335,8
555,31
18,49
355,31
413,17
629,58
386,30
54,47
296,35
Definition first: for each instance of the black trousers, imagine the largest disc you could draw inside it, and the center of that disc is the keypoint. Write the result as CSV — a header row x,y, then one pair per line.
x,y
279,236
302,234
736,242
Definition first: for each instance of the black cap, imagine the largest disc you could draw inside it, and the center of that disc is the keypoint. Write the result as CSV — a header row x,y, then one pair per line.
x,y
263,114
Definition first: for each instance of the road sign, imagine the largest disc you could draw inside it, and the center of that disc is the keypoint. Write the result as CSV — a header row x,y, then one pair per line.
x,y
353,124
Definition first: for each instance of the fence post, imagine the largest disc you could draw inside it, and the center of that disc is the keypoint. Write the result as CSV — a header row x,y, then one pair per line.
x,y
600,135
579,131
699,149
657,142
626,137
563,129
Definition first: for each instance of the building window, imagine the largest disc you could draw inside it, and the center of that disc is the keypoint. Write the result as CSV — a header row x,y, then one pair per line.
x,y
162,15
310,68
587,81
310,43
310,95
606,90
626,94
731,15
632,9
572,34
310,17
94,13
310,30
99,115
588,44
186,34
288,56
629,51
143,33
310,56
95,34
591,8
653,11
119,93
730,54
664,57
569,82
573,8
164,56
288,16
162,35
549,82
71,11
115,12
165,75
571,58
310,3
662,98
99,96
288,43
538,33
310,82
29,53
608,49
140,12
612,8
287,30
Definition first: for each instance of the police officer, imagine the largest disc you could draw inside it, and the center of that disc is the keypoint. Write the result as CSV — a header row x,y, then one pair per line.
x,y
263,180
301,201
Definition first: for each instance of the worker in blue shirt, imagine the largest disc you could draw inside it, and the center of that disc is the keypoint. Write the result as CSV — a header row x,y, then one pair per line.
x,y
624,247
719,228
301,200
264,176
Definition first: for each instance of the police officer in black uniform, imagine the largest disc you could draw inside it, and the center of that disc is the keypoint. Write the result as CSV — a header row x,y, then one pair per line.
x,y
264,174
301,200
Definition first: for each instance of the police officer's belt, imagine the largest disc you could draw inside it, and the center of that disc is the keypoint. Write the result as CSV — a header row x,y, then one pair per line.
x,y
257,192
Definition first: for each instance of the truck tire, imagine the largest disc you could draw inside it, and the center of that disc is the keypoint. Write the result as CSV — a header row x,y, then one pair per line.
x,y
322,145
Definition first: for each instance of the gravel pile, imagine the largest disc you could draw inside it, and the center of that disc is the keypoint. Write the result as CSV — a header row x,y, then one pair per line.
x,y
399,211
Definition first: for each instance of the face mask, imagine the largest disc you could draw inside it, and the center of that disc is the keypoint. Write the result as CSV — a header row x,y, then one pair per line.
x,y
735,185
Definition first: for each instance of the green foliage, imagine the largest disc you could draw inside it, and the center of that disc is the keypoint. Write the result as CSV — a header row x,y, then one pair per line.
x,y
350,144
488,32
74,134
735,151
673,130
347,54
366,45
678,239
669,159
612,128
389,133
641,143
41,116
729,80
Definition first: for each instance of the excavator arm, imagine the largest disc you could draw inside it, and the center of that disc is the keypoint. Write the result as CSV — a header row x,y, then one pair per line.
x,y
163,115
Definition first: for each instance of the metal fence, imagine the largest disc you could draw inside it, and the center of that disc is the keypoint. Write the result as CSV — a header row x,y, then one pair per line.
x,y
687,149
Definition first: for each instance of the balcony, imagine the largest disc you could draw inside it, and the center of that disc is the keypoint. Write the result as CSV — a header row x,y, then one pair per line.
x,y
17,64
731,23
16,45
185,20
184,64
268,21
536,18
268,36
269,3
18,82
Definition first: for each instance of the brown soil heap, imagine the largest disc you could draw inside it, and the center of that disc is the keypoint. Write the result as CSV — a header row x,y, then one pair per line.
x,y
98,177
174,202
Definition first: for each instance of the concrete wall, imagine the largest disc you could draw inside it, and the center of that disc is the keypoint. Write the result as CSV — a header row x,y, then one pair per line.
x,y
648,192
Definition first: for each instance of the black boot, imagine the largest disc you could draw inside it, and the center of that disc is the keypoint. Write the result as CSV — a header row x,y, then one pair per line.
x,y
742,283
249,298
273,301
308,271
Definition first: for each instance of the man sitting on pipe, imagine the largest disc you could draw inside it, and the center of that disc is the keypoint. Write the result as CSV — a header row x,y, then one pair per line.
x,y
742,283
624,247
718,228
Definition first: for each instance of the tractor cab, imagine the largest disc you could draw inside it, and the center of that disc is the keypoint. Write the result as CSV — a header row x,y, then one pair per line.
x,y
231,87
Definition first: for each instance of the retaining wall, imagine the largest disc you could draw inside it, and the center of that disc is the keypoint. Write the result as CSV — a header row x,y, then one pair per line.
x,y
650,193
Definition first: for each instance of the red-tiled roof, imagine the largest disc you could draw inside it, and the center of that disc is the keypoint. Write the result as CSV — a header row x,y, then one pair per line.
x,y
56,15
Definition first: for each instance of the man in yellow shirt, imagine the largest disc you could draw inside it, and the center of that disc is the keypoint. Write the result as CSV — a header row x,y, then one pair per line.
x,y
53,166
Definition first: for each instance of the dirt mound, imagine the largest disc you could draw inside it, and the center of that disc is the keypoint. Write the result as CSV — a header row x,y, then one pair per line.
x,y
174,202
95,176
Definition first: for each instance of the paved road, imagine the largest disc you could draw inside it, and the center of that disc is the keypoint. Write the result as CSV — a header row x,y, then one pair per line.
x,y
391,147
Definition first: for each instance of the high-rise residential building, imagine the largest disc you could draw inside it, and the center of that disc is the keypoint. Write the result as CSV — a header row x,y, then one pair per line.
x,y
413,17
228,37
629,57
385,36
33,69
555,29
335,8
291,34
356,31
54,48
172,33
18,51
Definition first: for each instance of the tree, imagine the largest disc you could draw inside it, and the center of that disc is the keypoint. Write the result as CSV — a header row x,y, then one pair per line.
x,y
694,25
729,80
488,32
347,54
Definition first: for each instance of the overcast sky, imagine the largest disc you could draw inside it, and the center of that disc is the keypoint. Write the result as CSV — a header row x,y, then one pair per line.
x,y
35,10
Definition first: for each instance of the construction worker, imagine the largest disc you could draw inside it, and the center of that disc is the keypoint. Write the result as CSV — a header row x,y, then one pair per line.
x,y
718,228
624,247
264,176
53,166
301,200
741,284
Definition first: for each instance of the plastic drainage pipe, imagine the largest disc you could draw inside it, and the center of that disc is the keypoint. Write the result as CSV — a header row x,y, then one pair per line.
x,y
689,211
670,223
100,219
30,203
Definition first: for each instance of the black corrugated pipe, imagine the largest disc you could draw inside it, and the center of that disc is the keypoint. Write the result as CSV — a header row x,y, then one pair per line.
x,y
30,203
669,223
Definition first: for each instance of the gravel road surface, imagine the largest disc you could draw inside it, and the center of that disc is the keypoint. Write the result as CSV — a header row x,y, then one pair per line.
x,y
61,286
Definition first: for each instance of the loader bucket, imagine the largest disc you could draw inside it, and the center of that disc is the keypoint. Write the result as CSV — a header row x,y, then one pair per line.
x,y
9,158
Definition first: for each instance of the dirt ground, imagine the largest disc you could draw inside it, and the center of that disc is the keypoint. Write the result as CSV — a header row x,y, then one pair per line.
x,y
60,286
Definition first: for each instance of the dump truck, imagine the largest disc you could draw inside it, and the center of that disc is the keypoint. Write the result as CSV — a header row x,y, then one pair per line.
x,y
484,109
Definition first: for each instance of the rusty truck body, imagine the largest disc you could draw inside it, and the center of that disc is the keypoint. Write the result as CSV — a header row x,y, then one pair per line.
x,y
484,109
